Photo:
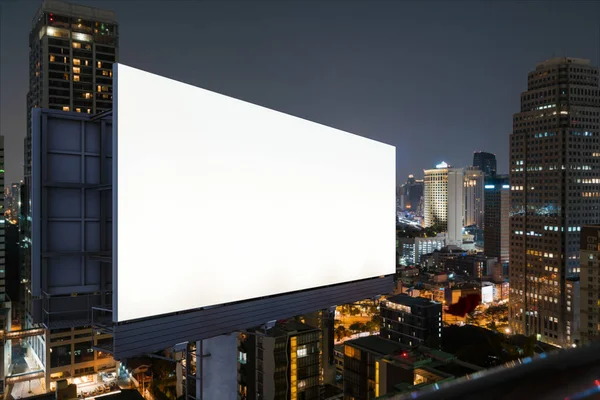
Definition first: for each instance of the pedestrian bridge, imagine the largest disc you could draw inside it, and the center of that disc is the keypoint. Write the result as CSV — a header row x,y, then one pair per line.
x,y
21,334
24,377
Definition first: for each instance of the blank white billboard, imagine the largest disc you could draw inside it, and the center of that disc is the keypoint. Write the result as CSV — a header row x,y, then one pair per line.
x,y
217,200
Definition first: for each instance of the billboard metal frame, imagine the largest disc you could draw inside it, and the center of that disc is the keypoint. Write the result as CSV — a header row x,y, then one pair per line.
x,y
59,303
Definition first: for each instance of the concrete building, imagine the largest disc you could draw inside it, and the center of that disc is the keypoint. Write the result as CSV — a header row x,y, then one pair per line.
x,y
590,284
411,249
456,206
71,50
375,368
443,200
497,230
475,265
411,321
485,162
411,195
12,269
12,195
474,198
3,296
553,180
280,362
436,196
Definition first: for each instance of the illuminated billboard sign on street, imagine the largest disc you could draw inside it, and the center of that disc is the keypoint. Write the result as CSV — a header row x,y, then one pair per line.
x,y
217,200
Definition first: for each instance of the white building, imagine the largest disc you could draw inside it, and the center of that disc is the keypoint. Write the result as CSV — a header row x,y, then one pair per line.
x,y
474,185
444,200
413,248
455,206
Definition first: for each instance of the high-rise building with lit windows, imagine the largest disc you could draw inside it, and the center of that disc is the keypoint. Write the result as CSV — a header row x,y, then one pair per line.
x,y
71,52
282,361
496,230
555,189
474,199
444,200
590,284
72,49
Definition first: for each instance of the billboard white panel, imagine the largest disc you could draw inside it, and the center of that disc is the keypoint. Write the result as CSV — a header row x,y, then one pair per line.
x,y
218,200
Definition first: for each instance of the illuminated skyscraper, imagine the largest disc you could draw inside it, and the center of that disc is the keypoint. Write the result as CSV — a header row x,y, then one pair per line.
x,y
72,49
497,228
474,201
411,194
554,181
590,284
443,200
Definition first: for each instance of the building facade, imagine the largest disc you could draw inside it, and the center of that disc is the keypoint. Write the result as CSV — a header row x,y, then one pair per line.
x,y
456,206
554,181
443,200
280,362
411,195
590,284
411,249
485,162
3,295
377,368
474,198
72,49
435,196
411,321
496,219
11,202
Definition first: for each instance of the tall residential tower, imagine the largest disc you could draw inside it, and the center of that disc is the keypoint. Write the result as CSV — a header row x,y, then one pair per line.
x,y
444,200
555,189
72,49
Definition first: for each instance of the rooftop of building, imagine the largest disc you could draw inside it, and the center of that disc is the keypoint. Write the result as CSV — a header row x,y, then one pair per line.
x,y
75,11
285,328
124,394
407,300
377,345
562,60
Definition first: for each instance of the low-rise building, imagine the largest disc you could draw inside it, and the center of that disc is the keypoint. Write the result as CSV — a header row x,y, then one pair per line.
x,y
376,367
412,249
411,320
282,361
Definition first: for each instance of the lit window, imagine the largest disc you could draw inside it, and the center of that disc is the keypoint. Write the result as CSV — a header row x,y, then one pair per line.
x,y
76,61
99,88
75,78
66,76
65,108
87,95
52,58
65,60
99,64
105,73
77,70
302,352
78,109
76,45
89,110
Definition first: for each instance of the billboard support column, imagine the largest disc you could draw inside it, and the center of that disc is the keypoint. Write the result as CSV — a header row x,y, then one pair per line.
x,y
199,362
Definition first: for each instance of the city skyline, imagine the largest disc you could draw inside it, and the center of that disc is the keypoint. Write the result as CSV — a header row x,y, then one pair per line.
x,y
329,112
335,74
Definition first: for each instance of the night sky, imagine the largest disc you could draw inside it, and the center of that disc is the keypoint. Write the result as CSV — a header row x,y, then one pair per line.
x,y
438,80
